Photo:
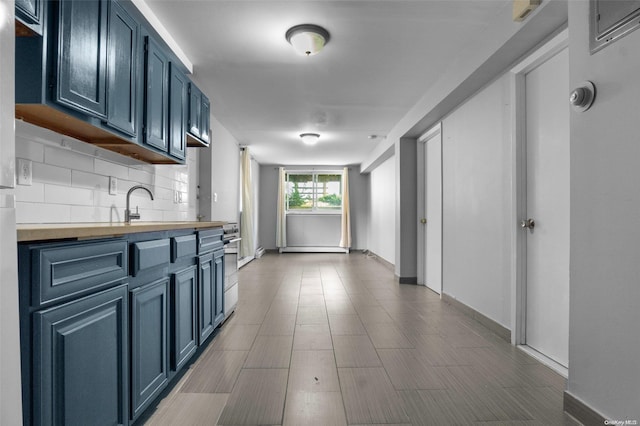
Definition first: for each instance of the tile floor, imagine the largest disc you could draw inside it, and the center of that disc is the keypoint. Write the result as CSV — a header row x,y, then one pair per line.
x,y
332,339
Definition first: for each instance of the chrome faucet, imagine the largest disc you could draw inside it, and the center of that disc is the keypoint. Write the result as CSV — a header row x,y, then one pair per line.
x,y
128,215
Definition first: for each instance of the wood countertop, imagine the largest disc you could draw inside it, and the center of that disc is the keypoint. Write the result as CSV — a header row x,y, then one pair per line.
x,y
57,231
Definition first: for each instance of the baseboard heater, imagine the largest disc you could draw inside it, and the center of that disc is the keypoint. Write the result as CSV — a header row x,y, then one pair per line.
x,y
310,249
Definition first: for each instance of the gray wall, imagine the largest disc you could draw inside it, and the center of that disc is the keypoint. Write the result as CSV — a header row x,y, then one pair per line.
x,y
477,201
219,172
268,203
406,211
604,342
358,193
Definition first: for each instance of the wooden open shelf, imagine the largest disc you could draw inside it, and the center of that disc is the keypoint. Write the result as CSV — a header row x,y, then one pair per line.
x,y
52,119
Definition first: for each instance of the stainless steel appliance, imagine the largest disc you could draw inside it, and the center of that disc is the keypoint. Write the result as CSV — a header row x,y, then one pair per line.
x,y
231,241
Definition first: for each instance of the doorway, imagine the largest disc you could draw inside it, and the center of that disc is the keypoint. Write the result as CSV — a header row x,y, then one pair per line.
x,y
542,317
430,206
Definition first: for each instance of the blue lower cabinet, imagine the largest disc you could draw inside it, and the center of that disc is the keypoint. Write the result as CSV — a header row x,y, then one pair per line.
x,y
80,361
184,336
211,292
218,265
149,343
206,296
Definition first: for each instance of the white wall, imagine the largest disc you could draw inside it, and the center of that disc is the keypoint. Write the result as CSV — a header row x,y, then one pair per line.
x,y
10,382
604,342
477,202
382,225
71,182
219,173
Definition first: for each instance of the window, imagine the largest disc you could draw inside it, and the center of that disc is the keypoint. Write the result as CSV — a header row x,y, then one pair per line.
x,y
314,192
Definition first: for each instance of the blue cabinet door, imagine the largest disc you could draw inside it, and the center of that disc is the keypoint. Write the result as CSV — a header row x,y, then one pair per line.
x,y
156,96
206,297
122,65
29,13
205,119
82,56
195,110
184,313
218,265
149,343
178,93
80,361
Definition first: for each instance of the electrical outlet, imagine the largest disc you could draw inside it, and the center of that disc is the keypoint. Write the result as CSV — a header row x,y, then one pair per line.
x,y
215,197
113,185
24,172
179,197
175,197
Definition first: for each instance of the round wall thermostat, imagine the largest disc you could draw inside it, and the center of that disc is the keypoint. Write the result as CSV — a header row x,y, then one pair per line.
x,y
582,97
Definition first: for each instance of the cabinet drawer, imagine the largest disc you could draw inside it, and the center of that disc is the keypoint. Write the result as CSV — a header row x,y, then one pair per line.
x,y
63,271
149,254
183,247
209,240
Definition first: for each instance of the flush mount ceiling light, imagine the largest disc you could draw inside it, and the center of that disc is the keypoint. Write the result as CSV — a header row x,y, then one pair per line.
x,y
307,39
309,138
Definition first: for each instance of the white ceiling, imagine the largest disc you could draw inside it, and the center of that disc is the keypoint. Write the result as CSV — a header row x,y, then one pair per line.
x,y
382,58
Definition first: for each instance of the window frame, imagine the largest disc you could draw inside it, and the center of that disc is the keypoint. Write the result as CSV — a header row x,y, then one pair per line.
x,y
314,210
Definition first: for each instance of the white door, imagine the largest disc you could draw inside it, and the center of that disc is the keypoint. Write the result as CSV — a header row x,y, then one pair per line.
x,y
433,212
547,196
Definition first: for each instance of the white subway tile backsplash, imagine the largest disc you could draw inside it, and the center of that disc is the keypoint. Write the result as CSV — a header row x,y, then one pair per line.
x,y
163,182
175,216
89,180
33,193
94,214
30,150
55,194
104,199
69,159
46,173
36,213
140,176
107,168
71,183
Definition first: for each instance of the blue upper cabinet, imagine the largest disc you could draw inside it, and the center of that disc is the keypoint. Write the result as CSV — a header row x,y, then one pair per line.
x,y
122,64
156,96
199,110
178,94
28,17
195,109
100,73
205,119
82,56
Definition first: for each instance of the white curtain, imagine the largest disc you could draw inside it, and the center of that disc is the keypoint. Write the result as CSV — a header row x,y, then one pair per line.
x,y
246,226
345,238
281,222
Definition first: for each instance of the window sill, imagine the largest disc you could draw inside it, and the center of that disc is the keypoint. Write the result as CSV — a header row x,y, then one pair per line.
x,y
315,213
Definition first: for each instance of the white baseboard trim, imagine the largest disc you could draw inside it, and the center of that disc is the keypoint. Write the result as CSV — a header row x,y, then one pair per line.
x,y
313,250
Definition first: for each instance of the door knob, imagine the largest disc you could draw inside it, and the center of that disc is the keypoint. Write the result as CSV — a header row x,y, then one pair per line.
x,y
423,220
528,223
